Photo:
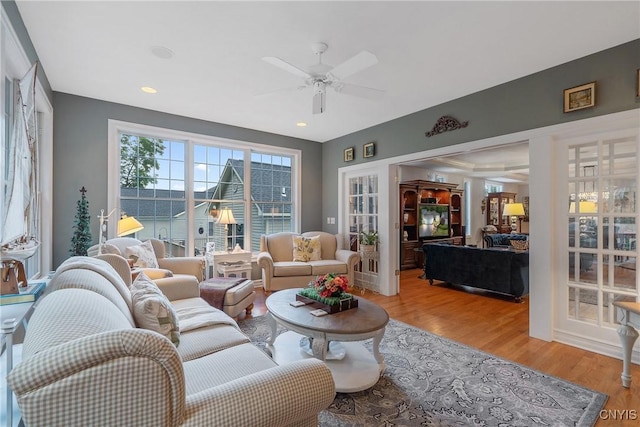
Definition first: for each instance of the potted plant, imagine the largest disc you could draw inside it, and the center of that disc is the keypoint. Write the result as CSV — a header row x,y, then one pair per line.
x,y
368,241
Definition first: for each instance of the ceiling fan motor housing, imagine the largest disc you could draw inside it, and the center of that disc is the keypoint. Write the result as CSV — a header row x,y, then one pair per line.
x,y
319,86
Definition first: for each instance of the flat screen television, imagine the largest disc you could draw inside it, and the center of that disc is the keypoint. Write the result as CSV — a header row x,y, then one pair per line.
x,y
433,221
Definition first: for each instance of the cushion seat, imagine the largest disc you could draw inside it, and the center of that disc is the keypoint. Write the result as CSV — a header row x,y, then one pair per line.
x,y
327,266
291,268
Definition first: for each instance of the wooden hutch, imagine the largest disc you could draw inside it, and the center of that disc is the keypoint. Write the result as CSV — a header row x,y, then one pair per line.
x,y
429,212
495,207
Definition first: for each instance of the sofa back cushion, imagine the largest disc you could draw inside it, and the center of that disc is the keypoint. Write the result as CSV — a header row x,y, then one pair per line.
x,y
279,245
94,275
68,314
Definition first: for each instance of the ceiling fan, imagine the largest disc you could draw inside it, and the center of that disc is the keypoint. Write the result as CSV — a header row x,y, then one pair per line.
x,y
321,76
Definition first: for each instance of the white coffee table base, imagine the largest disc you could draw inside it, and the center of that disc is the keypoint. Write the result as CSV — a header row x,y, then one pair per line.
x,y
357,371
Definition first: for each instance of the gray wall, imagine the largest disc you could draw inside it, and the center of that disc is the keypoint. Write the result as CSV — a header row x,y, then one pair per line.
x,y
527,103
80,159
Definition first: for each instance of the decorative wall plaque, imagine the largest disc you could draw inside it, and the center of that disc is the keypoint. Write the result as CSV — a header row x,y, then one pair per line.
x,y
445,124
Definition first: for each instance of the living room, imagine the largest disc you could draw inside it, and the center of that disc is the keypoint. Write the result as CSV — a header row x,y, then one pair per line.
x,y
524,107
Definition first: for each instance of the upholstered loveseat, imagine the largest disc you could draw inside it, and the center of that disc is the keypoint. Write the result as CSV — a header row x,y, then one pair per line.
x,y
85,363
281,271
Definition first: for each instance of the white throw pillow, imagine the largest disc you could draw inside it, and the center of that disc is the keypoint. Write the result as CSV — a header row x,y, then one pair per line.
x,y
142,255
152,310
306,248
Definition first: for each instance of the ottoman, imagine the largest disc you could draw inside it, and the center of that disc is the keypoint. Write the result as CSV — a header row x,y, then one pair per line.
x,y
229,294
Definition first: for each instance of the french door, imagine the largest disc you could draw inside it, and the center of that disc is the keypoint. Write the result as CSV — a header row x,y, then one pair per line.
x,y
598,248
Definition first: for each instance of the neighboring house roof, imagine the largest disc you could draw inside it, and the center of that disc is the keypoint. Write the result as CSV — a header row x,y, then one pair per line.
x,y
266,187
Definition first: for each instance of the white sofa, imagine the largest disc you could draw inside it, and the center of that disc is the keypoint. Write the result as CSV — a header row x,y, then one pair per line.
x,y
280,271
85,363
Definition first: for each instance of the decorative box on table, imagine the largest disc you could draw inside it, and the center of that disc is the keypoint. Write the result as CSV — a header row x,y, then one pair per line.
x,y
329,304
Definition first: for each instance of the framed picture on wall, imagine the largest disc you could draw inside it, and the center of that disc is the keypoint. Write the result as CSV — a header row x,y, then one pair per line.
x,y
579,97
369,150
348,154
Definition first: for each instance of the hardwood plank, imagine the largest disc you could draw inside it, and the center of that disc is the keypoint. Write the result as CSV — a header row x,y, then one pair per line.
x,y
499,326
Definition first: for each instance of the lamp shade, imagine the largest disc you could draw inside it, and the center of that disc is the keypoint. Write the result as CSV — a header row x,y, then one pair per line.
x,y
513,209
128,225
226,217
585,206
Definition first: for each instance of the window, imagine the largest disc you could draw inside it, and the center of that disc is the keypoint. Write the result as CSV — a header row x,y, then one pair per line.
x,y
190,190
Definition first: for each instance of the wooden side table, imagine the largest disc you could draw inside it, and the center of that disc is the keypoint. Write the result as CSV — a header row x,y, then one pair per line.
x,y
226,264
629,317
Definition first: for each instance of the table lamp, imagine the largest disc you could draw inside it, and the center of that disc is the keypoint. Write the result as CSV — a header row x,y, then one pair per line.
x,y
226,217
513,210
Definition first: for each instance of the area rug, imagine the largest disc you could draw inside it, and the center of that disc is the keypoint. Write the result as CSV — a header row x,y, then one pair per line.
x,y
433,381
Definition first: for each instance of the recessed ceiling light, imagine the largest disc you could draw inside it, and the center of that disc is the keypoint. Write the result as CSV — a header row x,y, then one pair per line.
x,y
148,89
162,52
301,124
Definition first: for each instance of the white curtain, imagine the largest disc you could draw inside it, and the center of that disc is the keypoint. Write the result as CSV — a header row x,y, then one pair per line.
x,y
20,215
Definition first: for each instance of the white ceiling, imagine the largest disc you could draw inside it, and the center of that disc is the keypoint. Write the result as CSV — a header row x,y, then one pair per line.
x,y
428,53
508,164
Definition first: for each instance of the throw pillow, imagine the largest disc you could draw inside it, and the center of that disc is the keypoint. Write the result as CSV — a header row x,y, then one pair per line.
x,y
306,248
152,310
143,255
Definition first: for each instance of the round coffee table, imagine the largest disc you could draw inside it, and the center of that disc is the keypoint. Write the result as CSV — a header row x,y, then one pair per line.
x,y
331,338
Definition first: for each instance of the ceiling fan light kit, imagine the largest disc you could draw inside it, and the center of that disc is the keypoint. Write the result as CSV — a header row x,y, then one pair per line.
x,y
322,76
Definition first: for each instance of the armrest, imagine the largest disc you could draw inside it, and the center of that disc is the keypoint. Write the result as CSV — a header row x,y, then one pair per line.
x,y
156,273
179,287
279,396
265,262
349,257
183,265
53,386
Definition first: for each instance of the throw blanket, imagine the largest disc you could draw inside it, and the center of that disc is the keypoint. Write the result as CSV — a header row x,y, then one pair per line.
x,y
99,266
190,318
214,290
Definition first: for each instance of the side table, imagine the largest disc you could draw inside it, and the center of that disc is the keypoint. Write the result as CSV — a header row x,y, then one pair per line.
x,y
12,316
225,264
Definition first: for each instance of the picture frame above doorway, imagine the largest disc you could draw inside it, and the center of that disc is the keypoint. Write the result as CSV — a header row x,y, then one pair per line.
x,y
579,97
368,150
348,154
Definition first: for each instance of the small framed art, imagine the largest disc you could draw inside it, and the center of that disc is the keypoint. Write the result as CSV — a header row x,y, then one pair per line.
x,y
348,154
369,150
579,97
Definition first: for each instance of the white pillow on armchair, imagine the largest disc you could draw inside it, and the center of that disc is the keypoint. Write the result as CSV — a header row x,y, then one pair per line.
x,y
143,255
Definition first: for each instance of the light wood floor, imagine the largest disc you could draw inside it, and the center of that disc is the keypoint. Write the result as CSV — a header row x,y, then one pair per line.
x,y
499,326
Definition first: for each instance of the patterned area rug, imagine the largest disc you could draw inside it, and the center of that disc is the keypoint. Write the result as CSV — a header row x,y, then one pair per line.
x,y
433,381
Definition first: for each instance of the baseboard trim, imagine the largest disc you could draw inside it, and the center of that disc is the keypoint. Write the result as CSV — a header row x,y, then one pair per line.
x,y
596,346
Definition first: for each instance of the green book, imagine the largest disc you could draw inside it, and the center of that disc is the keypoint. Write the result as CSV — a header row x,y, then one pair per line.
x,y
31,293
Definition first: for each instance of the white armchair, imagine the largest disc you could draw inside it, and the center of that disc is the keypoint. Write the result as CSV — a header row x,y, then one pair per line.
x,y
176,265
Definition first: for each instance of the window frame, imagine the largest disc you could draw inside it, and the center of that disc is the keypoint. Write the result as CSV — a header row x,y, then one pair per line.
x,y
116,127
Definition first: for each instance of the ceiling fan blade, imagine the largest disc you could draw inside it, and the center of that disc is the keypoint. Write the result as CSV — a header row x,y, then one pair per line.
x,y
357,63
286,66
318,103
359,91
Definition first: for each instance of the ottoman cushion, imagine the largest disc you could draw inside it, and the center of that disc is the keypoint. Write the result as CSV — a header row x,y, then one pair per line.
x,y
221,291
